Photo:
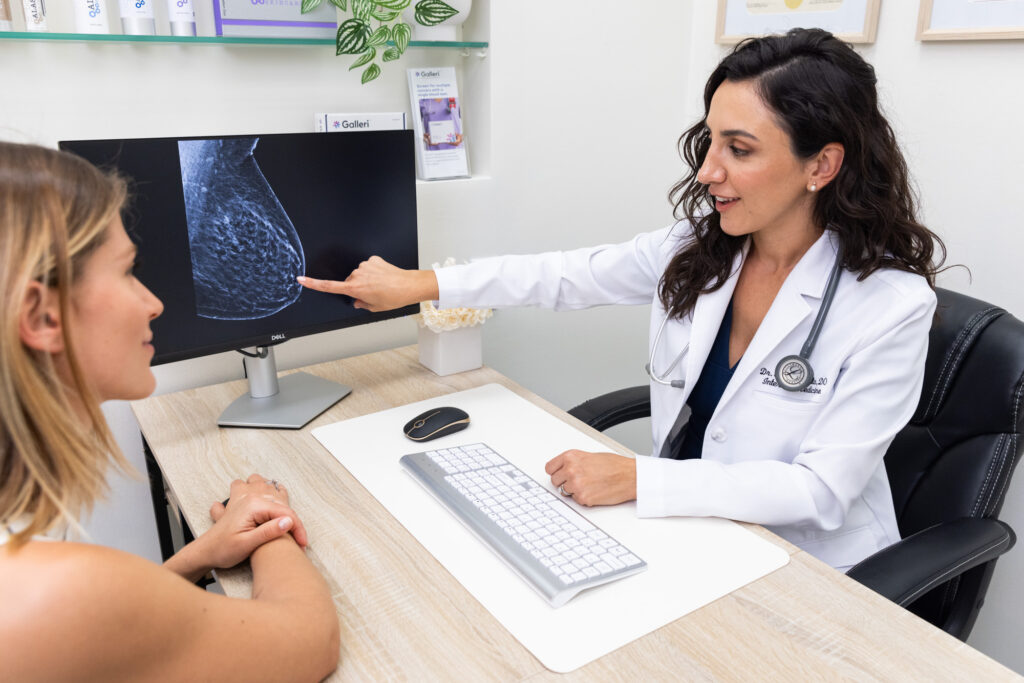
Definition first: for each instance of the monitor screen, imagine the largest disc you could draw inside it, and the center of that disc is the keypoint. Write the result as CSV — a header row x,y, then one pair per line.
x,y
224,225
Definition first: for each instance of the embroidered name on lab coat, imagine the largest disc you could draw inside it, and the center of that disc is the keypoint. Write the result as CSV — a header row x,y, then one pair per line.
x,y
815,387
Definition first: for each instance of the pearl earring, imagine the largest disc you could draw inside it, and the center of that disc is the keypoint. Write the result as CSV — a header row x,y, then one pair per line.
x,y
813,187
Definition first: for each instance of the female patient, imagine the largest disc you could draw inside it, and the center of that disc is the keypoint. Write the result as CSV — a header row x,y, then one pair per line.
x,y
794,180
75,333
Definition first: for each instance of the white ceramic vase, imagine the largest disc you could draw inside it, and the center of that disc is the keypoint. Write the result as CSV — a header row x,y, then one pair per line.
x,y
446,30
454,351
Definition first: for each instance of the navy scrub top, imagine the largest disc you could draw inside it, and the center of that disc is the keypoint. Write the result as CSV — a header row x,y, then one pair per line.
x,y
707,392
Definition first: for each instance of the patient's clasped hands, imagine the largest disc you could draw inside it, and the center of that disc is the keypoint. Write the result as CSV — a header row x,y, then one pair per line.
x,y
257,512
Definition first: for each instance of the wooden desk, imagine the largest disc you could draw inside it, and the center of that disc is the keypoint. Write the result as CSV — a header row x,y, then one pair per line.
x,y
403,616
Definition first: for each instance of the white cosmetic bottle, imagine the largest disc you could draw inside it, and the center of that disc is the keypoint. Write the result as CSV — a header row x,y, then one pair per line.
x,y
182,17
137,17
5,16
91,16
35,15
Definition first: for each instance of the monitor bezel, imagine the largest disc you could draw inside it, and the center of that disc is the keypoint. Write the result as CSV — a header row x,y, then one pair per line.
x,y
273,340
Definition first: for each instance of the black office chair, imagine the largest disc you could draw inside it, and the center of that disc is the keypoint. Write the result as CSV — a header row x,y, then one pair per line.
x,y
949,468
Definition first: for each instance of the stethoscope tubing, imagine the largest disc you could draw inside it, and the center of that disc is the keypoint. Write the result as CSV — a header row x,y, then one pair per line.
x,y
677,383
819,320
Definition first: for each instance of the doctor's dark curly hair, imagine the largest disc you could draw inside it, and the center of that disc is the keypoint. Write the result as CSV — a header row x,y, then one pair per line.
x,y
821,91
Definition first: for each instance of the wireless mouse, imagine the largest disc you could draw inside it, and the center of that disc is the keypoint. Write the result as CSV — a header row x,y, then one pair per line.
x,y
435,423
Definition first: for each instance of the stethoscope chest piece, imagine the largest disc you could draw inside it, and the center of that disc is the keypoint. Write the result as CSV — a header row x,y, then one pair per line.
x,y
794,373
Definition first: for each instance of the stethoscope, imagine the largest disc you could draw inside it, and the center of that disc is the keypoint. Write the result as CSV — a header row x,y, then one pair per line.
x,y
793,373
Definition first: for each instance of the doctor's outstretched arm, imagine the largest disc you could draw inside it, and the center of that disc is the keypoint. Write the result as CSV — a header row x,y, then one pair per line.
x,y
376,285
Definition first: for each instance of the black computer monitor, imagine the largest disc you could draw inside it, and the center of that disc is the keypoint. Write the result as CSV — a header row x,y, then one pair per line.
x,y
224,224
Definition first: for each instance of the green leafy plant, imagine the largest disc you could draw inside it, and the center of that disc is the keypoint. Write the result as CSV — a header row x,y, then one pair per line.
x,y
358,36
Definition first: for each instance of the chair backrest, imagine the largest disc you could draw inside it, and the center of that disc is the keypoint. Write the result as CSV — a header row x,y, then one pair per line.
x,y
956,456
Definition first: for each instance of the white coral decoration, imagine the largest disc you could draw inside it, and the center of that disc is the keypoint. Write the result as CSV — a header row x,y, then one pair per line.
x,y
450,318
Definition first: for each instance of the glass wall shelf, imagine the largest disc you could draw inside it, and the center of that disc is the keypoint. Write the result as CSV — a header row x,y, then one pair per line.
x,y
213,40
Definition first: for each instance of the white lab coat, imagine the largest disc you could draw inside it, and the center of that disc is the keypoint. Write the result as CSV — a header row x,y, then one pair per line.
x,y
807,465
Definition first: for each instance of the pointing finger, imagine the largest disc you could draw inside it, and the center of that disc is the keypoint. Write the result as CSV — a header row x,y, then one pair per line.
x,y
329,286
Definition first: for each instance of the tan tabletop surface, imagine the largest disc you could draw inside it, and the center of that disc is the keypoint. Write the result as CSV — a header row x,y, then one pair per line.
x,y
403,616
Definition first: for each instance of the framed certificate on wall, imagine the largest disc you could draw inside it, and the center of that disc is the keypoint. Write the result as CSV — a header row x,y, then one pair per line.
x,y
970,20
854,21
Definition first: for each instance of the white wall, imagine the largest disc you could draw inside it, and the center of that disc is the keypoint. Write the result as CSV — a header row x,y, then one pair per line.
x,y
584,108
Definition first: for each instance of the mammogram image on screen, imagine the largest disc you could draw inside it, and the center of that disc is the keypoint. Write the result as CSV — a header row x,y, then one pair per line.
x,y
245,250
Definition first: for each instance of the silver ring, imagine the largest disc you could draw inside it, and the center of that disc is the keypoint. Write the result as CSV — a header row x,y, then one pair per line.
x,y
565,493
273,482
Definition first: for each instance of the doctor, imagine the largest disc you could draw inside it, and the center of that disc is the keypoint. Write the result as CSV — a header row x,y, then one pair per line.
x,y
791,306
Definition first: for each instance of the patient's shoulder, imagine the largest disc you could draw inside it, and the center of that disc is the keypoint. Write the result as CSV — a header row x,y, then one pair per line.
x,y
65,601
43,572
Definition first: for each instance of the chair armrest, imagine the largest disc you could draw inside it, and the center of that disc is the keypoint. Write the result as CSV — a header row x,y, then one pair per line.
x,y
910,568
615,407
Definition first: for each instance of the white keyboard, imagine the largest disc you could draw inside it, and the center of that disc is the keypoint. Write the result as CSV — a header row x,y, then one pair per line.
x,y
553,547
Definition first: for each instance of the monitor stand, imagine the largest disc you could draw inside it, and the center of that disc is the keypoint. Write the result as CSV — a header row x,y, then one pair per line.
x,y
288,402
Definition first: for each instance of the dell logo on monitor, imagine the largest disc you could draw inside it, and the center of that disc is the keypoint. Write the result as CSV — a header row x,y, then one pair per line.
x,y
278,337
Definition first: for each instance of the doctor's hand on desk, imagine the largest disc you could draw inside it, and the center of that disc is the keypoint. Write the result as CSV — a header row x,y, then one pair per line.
x,y
376,285
594,478
257,512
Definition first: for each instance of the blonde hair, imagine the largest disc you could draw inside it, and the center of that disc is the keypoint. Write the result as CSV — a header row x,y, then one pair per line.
x,y
55,209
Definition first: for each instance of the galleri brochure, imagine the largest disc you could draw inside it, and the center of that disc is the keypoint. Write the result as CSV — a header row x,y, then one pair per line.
x,y
437,119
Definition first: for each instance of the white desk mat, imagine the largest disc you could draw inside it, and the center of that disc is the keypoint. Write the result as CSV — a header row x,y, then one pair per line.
x,y
690,561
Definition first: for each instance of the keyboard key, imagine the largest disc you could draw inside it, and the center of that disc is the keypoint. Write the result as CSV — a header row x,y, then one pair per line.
x,y
571,517
613,561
